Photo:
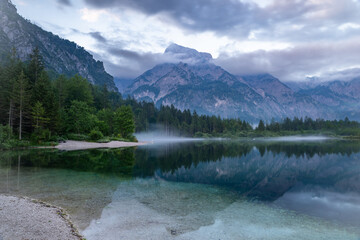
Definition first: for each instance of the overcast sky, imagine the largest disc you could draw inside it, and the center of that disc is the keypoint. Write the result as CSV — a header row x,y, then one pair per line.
x,y
291,39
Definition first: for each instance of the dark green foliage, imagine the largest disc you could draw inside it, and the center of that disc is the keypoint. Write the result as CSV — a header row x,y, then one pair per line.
x,y
36,66
106,119
40,135
78,137
124,122
338,127
261,126
185,123
5,133
95,135
119,162
20,99
79,89
80,118
38,116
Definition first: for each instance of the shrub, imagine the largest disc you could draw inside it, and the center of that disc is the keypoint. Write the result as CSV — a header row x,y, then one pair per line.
x,y
77,137
132,138
40,135
5,133
95,135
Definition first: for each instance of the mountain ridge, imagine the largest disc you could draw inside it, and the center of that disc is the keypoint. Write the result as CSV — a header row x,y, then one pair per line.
x,y
209,89
60,56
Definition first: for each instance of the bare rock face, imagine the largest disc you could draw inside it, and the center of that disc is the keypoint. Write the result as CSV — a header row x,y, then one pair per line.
x,y
195,83
341,96
60,56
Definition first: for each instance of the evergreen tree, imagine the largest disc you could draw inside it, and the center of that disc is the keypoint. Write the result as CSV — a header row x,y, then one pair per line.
x,y
78,89
124,122
39,116
35,67
21,98
80,118
8,74
261,126
60,85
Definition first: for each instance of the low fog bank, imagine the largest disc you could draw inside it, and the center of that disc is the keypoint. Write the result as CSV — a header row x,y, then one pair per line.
x,y
299,139
163,137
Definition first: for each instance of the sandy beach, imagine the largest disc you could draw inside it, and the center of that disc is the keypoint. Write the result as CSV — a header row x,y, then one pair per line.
x,y
71,145
23,218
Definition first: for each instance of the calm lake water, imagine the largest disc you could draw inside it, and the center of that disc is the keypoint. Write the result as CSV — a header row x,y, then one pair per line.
x,y
270,189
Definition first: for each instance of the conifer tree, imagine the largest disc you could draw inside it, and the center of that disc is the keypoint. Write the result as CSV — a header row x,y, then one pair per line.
x,y
35,67
124,121
8,74
21,97
261,126
39,116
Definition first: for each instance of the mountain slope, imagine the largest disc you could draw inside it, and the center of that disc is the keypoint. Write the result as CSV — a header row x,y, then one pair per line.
x,y
60,56
343,97
293,103
206,88
196,83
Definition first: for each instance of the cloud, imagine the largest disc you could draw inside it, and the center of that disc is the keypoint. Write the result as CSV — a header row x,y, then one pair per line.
x,y
130,64
296,63
64,2
345,75
316,36
91,15
326,60
239,19
98,36
200,15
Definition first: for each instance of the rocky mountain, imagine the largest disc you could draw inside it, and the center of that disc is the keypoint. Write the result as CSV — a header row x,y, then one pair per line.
x,y
343,97
195,82
60,56
294,103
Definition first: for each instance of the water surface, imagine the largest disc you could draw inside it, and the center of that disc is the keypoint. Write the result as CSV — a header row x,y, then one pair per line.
x,y
198,190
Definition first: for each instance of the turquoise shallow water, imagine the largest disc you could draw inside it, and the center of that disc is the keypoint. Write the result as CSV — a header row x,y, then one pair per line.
x,y
198,190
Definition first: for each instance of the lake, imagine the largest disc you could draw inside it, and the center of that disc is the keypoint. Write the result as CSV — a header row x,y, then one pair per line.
x,y
220,189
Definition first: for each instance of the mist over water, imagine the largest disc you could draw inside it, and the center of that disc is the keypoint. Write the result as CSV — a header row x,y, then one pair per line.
x,y
160,136
299,139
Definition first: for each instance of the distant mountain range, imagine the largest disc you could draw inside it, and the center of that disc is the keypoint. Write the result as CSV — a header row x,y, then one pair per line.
x,y
195,82
60,56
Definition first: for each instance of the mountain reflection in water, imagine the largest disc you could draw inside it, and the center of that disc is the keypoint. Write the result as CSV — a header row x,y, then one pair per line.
x,y
315,178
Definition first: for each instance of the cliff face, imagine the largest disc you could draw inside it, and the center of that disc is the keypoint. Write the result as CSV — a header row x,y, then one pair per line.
x,y
60,56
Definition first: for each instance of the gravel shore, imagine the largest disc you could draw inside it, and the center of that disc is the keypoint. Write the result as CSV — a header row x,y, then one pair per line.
x,y
23,218
80,145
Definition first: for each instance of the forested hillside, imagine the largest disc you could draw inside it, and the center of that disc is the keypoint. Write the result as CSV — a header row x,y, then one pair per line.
x,y
60,56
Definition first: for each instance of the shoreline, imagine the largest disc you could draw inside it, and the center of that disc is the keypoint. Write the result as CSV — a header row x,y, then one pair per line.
x,y
26,218
72,145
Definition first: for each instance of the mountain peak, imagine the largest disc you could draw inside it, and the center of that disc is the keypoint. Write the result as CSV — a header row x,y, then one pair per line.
x,y
187,55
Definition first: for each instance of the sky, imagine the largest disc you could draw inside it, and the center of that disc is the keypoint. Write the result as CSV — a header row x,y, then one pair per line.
x,y
293,40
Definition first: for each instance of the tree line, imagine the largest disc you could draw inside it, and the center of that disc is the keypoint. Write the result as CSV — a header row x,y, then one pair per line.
x,y
40,108
34,106
340,127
